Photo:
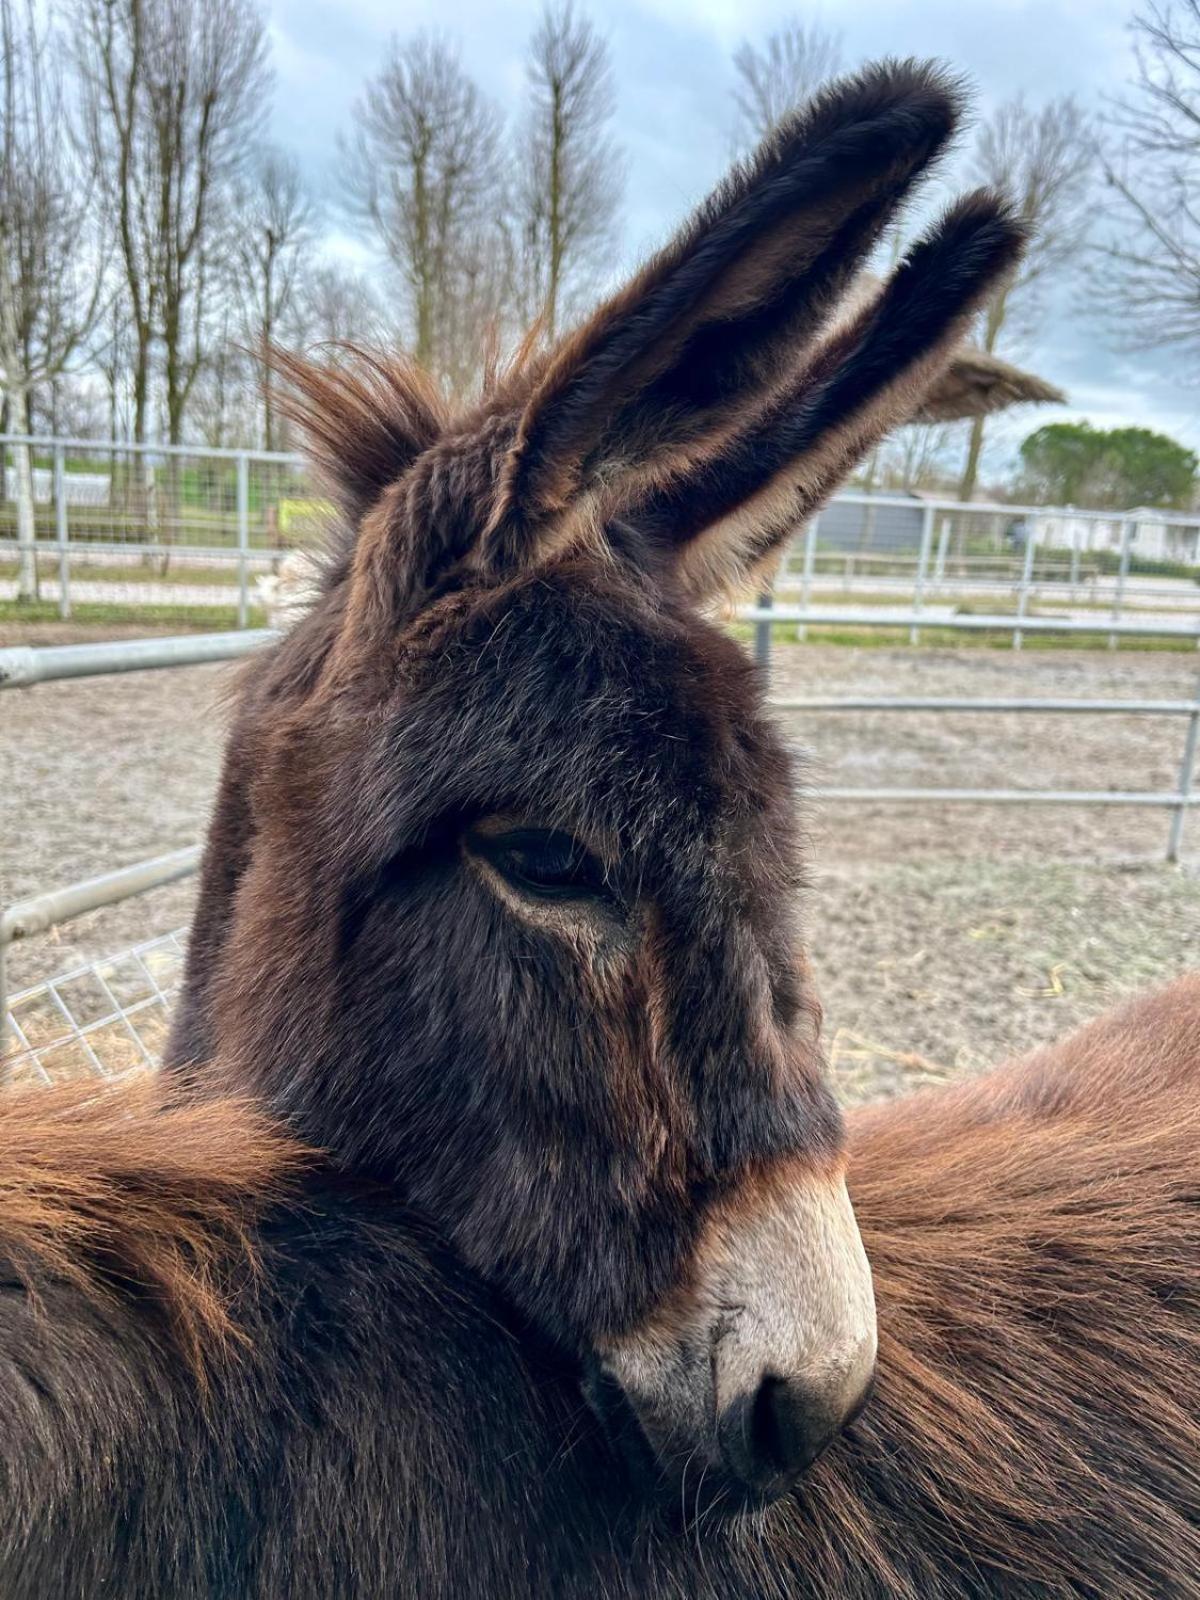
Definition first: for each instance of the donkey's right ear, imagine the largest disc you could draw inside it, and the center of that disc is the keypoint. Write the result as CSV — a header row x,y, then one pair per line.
x,y
656,378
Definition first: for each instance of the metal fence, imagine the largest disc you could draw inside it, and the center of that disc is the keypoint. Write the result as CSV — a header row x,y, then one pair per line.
x,y
172,525
105,1017
108,1016
939,554
179,526
43,1021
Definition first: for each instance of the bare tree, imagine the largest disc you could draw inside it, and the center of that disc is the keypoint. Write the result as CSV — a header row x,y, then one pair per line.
x,y
1150,252
774,77
1045,160
915,456
112,63
422,179
337,305
174,91
223,409
207,95
112,357
51,260
273,227
570,173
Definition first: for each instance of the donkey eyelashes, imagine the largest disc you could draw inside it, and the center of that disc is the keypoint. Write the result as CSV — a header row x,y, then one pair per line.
x,y
544,863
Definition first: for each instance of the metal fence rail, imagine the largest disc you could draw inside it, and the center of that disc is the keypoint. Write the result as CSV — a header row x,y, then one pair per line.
x,y
165,503
23,665
181,505
915,618
26,918
1178,801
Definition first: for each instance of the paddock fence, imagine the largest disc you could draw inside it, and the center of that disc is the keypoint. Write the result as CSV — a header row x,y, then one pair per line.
x,y
110,1016
104,1016
113,524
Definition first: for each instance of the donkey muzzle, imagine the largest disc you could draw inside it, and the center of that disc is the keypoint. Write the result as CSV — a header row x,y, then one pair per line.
x,y
746,1374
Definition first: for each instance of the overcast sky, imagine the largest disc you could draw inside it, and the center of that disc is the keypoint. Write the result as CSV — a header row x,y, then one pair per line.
x,y
673,79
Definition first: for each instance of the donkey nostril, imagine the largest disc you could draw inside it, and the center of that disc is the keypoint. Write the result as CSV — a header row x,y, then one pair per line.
x,y
769,1438
794,1424
768,1427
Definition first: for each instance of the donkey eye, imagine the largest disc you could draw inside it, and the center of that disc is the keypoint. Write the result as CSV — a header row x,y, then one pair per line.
x,y
544,862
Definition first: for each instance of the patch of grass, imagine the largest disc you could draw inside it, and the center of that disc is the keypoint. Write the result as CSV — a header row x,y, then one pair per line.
x,y
943,638
100,572
185,619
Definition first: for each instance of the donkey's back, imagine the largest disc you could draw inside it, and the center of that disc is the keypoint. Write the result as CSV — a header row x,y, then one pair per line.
x,y
227,1372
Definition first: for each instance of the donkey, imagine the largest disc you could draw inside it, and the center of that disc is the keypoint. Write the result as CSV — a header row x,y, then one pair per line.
x,y
230,1370
496,1083
497,906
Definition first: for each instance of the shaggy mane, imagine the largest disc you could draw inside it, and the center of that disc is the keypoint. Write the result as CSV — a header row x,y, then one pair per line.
x,y
365,416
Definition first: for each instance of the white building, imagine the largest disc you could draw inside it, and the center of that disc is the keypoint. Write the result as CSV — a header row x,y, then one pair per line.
x,y
81,488
1157,535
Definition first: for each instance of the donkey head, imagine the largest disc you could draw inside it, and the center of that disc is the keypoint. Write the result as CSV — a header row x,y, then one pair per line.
x,y
498,901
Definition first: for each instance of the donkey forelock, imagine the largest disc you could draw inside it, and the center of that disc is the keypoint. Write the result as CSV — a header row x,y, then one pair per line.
x,y
499,896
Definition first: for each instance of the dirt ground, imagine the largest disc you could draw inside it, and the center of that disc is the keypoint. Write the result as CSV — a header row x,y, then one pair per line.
x,y
944,937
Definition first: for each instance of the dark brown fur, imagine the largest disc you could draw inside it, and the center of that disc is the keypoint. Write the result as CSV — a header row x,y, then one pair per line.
x,y
1035,1430
108,1189
534,1107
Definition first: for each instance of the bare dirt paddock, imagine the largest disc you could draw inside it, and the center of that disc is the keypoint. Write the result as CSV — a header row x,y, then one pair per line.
x,y
943,937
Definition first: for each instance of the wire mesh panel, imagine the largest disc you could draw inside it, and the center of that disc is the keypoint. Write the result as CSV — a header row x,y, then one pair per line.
x,y
172,528
104,1018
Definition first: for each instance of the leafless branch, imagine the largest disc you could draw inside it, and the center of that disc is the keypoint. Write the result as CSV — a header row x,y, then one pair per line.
x,y
1148,280
1044,158
173,92
423,177
774,77
570,173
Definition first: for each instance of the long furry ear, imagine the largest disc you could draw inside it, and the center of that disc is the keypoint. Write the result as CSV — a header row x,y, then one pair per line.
x,y
716,526
663,372
365,418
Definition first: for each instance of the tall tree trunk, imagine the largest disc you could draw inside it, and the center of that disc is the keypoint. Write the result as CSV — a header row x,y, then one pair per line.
x,y
146,494
27,573
423,250
268,337
970,475
18,422
556,219
991,334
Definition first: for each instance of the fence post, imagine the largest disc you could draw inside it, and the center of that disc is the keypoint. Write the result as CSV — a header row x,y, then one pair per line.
x,y
1023,593
914,633
939,565
1127,528
1187,775
762,634
60,529
3,1009
810,559
1075,561
243,537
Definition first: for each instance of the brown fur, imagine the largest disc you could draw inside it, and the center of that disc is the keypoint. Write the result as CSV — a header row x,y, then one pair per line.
x,y
498,910
1035,1430
509,638
112,1189
1035,1240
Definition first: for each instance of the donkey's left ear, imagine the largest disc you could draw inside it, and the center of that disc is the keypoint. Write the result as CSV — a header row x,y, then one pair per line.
x,y
668,369
719,529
